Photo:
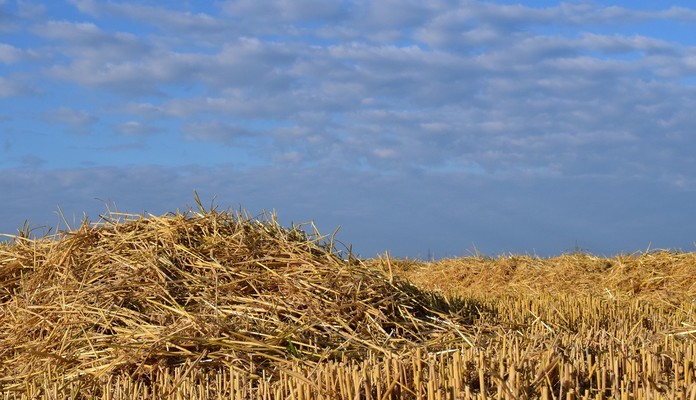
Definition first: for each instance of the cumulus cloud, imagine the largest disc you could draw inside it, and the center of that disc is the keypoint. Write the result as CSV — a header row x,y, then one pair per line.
x,y
77,121
205,29
9,54
14,87
164,18
84,34
7,88
216,132
284,11
529,99
137,128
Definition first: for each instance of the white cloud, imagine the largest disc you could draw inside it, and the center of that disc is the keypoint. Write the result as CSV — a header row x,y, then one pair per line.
x,y
85,40
133,66
136,128
6,88
86,6
84,32
9,54
204,28
14,87
216,132
617,44
284,11
426,85
77,121
384,153
679,14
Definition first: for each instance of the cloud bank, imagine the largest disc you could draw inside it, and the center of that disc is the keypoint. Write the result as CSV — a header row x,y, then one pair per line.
x,y
418,124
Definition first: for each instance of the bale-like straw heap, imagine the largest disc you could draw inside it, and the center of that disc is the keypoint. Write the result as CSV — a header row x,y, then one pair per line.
x,y
134,293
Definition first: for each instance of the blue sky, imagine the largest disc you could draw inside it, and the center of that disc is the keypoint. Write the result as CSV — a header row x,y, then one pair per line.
x,y
417,126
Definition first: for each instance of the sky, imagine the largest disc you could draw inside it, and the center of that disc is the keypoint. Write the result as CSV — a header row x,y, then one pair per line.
x,y
425,128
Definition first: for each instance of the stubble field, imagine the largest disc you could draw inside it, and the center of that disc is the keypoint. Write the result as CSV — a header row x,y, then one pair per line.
x,y
208,304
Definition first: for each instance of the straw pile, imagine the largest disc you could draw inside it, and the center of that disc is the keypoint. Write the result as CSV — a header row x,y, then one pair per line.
x,y
663,277
132,294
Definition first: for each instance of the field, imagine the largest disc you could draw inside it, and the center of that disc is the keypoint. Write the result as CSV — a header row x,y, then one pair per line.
x,y
209,304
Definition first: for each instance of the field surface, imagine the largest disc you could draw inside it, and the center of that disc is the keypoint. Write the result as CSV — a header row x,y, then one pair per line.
x,y
208,304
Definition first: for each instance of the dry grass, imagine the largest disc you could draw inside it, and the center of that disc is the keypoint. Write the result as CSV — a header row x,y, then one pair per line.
x,y
216,304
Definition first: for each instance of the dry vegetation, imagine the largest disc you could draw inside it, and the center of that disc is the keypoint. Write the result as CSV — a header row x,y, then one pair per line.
x,y
211,304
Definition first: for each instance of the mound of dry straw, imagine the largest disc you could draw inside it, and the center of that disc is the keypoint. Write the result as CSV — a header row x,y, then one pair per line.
x,y
661,277
133,293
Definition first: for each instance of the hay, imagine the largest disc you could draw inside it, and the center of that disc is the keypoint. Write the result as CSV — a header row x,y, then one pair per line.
x,y
657,277
135,293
